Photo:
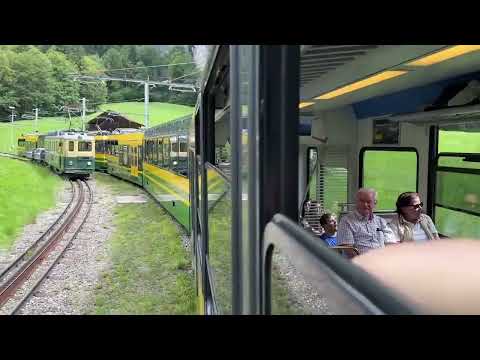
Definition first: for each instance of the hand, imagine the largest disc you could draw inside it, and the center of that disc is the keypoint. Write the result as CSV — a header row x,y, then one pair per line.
x,y
440,277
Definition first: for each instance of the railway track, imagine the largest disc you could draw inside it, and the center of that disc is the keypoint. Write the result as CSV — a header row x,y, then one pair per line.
x,y
13,156
22,276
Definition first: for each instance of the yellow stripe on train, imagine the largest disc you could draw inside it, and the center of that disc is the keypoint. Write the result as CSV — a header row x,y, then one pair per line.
x,y
179,181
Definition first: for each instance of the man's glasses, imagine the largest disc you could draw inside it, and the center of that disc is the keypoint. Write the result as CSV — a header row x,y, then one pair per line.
x,y
416,206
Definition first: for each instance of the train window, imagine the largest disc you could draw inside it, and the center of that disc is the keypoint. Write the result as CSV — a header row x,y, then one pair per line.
x,y
146,145
166,152
312,173
219,239
84,146
183,147
21,142
124,155
390,171
71,146
457,197
174,148
159,152
149,151
174,142
99,146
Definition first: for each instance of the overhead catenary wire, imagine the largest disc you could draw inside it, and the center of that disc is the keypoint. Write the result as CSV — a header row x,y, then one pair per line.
x,y
140,67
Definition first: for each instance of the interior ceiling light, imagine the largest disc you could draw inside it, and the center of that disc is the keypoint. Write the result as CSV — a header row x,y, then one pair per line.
x,y
443,55
375,79
305,104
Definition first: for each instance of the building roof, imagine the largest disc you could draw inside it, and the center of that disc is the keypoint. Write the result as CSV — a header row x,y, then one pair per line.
x,y
110,120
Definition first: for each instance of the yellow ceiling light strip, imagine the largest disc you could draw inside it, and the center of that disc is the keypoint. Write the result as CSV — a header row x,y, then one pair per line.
x,y
443,55
305,104
375,79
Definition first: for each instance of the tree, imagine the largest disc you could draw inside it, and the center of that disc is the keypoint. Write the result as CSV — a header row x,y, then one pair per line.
x,y
33,83
148,55
95,91
179,55
131,53
75,53
114,59
7,78
187,72
65,89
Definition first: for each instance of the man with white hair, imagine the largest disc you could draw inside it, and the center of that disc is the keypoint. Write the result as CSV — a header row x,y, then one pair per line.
x,y
362,228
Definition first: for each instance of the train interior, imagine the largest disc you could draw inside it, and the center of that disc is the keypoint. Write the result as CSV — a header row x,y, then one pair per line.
x,y
369,116
371,110
393,118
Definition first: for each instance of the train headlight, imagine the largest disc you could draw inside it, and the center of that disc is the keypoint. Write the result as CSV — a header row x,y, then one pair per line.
x,y
89,163
70,162
175,163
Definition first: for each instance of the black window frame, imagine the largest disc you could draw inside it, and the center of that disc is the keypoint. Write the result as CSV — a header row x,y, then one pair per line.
x,y
449,169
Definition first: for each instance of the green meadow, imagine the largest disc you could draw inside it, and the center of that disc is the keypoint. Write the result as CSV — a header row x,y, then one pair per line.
x,y
25,190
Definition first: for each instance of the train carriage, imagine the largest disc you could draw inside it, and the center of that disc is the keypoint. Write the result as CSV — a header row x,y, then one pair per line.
x,y
165,167
304,133
70,153
124,153
26,144
100,149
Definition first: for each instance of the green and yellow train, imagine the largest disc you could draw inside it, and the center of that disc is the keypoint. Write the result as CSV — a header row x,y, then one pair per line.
x,y
27,144
69,153
100,154
155,159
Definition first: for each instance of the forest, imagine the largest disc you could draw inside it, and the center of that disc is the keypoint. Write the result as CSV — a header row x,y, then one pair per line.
x,y
40,76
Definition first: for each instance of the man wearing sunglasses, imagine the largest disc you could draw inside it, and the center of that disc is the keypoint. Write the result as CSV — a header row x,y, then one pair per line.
x,y
410,224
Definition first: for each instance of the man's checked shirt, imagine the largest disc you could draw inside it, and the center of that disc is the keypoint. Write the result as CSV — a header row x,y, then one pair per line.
x,y
357,230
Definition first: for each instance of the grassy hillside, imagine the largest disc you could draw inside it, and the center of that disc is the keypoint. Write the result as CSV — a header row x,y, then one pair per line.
x,y
158,112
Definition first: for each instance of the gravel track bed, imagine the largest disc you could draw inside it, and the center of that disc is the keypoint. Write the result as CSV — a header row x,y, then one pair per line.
x,y
302,296
69,288
32,232
55,253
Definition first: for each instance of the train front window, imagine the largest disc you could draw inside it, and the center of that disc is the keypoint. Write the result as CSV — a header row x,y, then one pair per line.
x,y
71,146
84,146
